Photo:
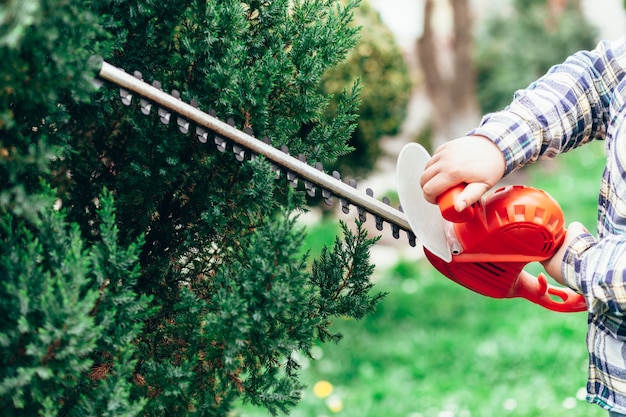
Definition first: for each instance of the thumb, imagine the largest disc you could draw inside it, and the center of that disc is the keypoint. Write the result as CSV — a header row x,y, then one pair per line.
x,y
470,194
577,228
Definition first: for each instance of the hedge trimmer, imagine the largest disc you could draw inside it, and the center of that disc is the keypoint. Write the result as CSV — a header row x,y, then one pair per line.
x,y
484,248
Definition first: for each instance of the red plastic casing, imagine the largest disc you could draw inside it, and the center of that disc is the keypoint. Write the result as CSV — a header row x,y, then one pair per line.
x,y
498,236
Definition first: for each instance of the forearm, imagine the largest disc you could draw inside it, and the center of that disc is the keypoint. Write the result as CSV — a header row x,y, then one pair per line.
x,y
565,108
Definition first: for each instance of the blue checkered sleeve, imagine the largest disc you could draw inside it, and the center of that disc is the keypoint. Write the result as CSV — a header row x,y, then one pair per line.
x,y
566,108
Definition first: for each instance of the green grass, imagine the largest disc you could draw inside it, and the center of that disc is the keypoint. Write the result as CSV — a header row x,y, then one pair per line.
x,y
320,234
435,349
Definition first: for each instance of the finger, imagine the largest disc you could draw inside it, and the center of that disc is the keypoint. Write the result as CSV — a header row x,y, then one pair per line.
x,y
470,194
431,169
436,185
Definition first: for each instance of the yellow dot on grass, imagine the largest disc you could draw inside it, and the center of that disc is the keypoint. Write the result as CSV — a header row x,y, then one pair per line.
x,y
322,389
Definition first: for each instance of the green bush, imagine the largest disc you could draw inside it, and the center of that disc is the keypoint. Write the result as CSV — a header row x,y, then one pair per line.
x,y
380,66
146,273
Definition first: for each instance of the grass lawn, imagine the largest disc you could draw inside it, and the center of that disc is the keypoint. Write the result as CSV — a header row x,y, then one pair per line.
x,y
435,349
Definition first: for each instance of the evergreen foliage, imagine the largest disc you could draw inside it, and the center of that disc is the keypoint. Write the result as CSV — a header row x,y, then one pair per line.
x,y
514,50
378,63
145,273
70,317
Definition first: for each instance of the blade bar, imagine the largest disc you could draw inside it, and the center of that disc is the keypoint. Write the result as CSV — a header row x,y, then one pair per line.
x,y
130,83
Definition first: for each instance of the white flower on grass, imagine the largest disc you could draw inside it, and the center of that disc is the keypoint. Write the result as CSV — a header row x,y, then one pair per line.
x,y
334,403
510,404
569,403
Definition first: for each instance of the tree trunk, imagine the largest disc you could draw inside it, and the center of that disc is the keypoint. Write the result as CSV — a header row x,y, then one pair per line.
x,y
452,93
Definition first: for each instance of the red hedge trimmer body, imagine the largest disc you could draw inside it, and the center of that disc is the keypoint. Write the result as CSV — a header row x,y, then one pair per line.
x,y
500,235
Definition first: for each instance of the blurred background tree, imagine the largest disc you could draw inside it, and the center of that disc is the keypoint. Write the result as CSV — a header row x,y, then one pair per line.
x,y
476,68
449,73
145,273
379,64
513,49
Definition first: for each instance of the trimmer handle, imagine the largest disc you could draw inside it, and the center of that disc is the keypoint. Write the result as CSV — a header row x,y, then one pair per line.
x,y
537,290
446,205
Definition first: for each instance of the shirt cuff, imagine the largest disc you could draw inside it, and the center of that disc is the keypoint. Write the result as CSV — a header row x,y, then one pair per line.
x,y
571,268
512,134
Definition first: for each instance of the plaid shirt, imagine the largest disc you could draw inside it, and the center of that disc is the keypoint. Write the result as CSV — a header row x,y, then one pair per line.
x,y
575,102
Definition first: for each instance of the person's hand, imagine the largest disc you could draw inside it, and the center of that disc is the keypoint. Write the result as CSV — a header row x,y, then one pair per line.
x,y
474,160
553,265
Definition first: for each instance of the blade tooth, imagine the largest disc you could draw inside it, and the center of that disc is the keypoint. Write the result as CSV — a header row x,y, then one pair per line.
x,y
240,153
202,134
292,178
328,197
412,238
164,116
310,188
308,185
409,234
395,231
221,143
377,219
126,96
360,210
362,214
231,121
146,106
182,123
248,131
379,222
266,140
386,201
345,205
284,149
